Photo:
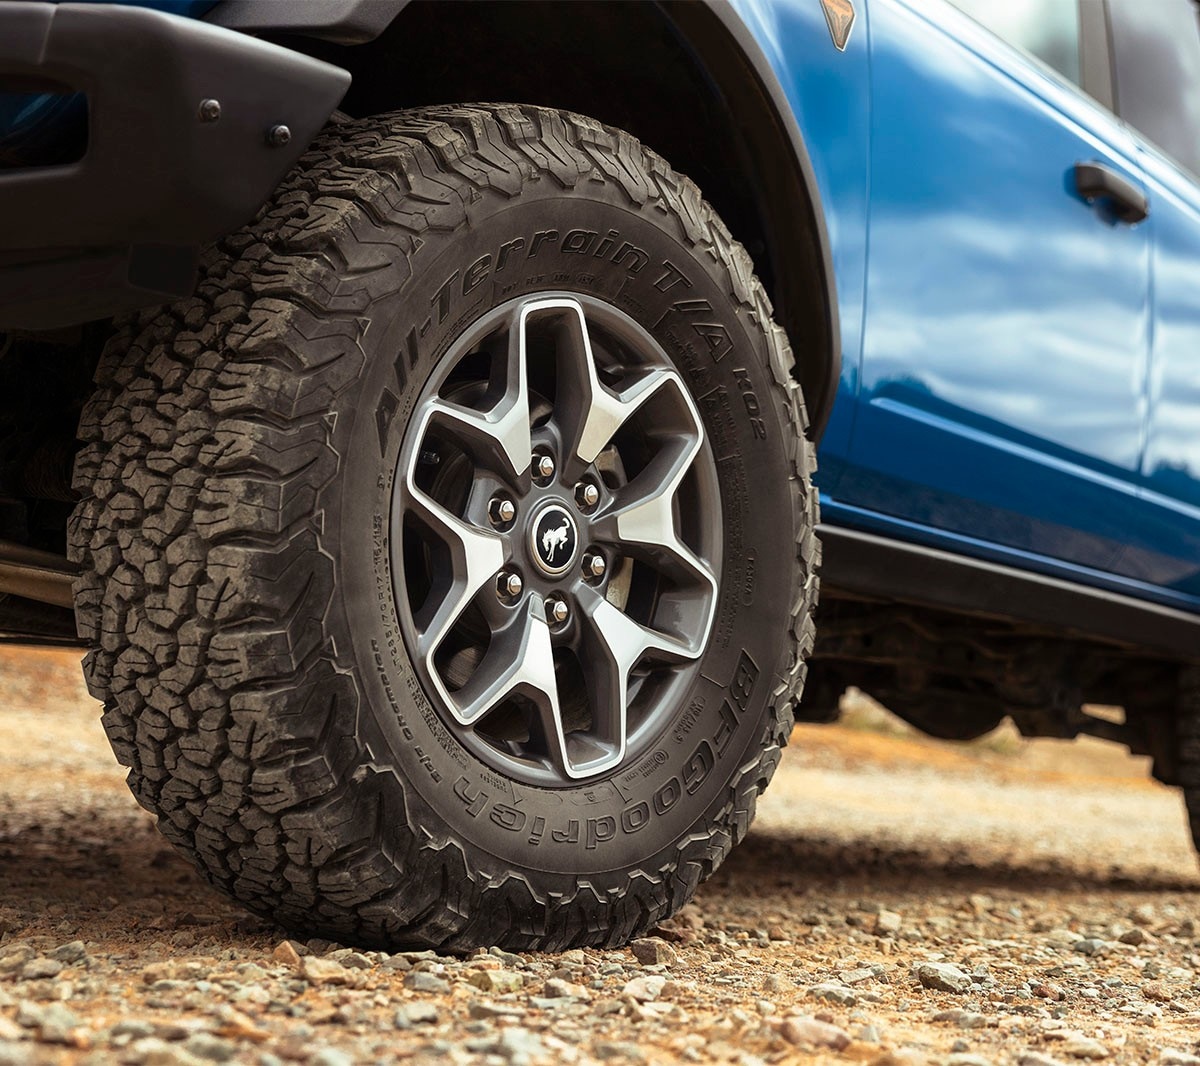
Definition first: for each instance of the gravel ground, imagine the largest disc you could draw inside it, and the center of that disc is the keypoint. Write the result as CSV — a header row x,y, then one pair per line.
x,y
899,903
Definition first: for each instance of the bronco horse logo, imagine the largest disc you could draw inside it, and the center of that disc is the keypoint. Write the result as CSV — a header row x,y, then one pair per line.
x,y
553,539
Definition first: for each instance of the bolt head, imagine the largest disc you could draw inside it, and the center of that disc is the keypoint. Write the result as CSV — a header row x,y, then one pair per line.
x,y
557,610
278,136
586,494
209,110
509,585
594,564
543,467
501,511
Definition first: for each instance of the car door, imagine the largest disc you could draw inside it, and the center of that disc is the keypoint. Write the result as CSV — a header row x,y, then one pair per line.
x,y
1156,61
1003,370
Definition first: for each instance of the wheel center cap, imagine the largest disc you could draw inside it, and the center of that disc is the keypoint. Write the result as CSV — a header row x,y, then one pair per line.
x,y
553,539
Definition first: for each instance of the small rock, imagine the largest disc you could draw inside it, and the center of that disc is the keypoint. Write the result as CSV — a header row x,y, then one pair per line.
x,y
328,1056
285,954
645,989
1173,1057
1084,1047
654,951
56,1025
1158,991
420,981
70,953
963,1058
321,971
209,1047
857,977
621,1050
1136,936
40,968
557,988
943,977
887,923
498,981
519,1046
482,1009
416,1014
1047,990
1036,1058
962,1019
834,993
1091,946
812,1033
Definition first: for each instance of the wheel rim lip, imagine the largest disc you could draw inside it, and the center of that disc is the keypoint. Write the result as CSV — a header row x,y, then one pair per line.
x,y
651,726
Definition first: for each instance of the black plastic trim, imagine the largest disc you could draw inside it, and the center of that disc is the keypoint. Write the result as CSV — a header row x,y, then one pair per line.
x,y
340,21
156,174
867,565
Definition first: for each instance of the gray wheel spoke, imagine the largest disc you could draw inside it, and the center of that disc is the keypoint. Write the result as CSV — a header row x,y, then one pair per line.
x,y
498,438
641,521
617,644
476,555
519,662
590,413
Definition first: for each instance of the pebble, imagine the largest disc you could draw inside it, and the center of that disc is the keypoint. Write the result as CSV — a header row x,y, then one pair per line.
x,y
943,977
498,981
654,951
962,1019
209,1047
645,989
1174,1057
35,969
1084,1047
416,1014
834,993
420,981
322,971
557,988
887,923
811,1032
285,954
1037,1059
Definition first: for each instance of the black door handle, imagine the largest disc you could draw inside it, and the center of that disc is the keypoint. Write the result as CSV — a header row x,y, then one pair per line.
x,y
1094,181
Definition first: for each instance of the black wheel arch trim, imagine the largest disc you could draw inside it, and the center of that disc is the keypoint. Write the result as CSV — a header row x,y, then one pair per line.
x,y
727,51
864,564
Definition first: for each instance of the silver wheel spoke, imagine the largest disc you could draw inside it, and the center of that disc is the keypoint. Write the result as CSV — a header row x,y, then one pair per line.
x,y
617,644
499,436
642,520
589,412
519,662
476,556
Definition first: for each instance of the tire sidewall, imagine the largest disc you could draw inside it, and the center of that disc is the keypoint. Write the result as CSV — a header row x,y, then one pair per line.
x,y
680,293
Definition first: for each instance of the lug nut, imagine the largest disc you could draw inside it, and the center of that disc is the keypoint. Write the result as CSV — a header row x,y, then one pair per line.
x,y
543,467
501,511
557,611
509,585
586,494
594,565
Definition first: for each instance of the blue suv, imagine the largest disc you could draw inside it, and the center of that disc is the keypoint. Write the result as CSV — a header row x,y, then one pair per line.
x,y
432,482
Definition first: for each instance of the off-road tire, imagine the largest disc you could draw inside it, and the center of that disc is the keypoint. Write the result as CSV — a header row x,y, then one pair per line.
x,y
227,585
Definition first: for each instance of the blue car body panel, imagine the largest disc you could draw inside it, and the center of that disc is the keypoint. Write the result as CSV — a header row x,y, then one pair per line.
x,y
1018,380
1013,388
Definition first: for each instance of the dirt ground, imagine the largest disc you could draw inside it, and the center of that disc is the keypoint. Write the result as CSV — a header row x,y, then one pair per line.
x,y
899,902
